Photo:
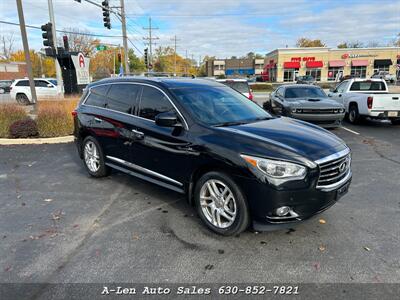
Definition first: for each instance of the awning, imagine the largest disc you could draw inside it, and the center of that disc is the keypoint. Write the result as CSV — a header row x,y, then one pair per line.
x,y
382,62
314,64
359,63
291,65
337,63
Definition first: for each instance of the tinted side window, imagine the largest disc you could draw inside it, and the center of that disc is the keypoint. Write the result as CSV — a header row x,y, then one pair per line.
x,y
121,97
97,96
41,83
152,103
23,83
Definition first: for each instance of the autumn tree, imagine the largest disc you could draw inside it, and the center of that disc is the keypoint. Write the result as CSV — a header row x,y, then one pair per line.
x,y
306,42
102,63
80,41
396,42
42,65
136,64
351,44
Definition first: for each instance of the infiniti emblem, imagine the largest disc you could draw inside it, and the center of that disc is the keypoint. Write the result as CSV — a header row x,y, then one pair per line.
x,y
342,167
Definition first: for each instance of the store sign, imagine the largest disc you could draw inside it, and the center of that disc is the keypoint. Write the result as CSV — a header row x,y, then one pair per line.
x,y
81,64
350,55
299,59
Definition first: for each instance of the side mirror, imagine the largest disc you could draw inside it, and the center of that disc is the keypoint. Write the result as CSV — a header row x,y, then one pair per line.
x,y
167,119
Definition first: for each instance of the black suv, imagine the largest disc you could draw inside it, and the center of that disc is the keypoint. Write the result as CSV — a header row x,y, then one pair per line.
x,y
236,163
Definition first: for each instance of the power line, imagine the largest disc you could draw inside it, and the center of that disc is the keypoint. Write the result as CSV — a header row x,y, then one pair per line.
x,y
64,31
150,39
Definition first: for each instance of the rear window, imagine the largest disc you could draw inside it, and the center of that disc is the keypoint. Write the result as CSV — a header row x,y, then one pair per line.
x,y
23,83
97,96
368,86
239,86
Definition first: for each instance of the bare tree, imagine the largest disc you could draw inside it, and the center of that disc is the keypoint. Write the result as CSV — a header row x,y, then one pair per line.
x,y
7,45
80,41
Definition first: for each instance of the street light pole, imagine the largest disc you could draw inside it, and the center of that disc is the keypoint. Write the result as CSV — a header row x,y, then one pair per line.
x,y
27,54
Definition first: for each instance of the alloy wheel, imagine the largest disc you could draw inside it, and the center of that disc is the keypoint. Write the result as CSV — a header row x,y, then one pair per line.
x,y
218,203
92,158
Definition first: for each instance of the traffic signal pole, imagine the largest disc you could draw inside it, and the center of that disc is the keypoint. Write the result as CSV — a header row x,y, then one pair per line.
x,y
60,84
27,54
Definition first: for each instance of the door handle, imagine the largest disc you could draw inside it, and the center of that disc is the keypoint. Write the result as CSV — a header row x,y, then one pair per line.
x,y
97,120
138,134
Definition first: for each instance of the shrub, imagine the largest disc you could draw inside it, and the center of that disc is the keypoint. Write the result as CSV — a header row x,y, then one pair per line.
x,y
9,113
23,128
262,87
54,118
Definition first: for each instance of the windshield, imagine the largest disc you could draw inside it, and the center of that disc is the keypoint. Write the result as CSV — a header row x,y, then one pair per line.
x,y
219,106
241,87
304,92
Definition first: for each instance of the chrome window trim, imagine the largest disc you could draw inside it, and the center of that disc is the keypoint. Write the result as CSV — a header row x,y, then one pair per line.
x,y
333,156
141,84
147,171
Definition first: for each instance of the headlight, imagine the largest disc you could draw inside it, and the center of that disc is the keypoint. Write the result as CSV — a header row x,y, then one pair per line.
x,y
342,110
276,171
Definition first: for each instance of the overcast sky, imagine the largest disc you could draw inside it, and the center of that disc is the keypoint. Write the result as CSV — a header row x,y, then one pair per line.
x,y
220,27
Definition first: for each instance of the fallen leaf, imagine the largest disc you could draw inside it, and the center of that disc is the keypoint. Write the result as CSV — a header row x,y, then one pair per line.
x,y
48,200
322,221
317,266
135,237
8,268
19,196
367,249
321,248
76,226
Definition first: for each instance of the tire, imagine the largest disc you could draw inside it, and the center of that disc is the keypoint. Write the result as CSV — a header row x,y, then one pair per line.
x,y
267,105
353,115
395,121
94,159
22,99
230,204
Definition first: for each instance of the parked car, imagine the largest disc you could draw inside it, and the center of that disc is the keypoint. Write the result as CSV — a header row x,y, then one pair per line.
x,y
237,164
240,85
307,79
45,88
307,103
367,98
385,75
5,86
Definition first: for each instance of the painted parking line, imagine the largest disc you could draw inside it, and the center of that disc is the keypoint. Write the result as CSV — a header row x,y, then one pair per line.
x,y
349,130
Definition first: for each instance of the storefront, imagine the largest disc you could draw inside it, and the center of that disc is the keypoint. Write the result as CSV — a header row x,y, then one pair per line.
x,y
329,64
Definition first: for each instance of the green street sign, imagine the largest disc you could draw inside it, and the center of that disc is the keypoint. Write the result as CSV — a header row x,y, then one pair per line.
x,y
101,47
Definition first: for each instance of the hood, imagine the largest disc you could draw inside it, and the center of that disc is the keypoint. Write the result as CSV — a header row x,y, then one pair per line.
x,y
300,138
313,103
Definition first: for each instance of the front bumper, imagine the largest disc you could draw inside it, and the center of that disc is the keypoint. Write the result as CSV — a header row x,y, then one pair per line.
x,y
320,119
305,203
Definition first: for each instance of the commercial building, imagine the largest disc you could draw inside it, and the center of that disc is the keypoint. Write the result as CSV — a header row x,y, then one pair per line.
x,y
327,64
12,70
234,67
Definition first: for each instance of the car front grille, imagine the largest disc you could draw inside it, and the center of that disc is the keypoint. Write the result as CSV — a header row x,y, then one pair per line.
x,y
334,170
317,111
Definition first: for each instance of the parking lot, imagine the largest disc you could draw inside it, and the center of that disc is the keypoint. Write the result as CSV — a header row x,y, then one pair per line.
x,y
60,225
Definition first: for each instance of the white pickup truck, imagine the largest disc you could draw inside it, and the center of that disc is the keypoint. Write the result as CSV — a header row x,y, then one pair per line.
x,y
367,98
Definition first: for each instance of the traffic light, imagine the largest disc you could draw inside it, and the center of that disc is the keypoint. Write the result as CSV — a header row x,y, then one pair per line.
x,y
119,58
146,57
106,14
66,44
47,35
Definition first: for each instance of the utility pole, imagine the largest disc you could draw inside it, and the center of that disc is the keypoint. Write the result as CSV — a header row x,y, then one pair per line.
x,y
175,40
150,39
124,37
60,84
27,54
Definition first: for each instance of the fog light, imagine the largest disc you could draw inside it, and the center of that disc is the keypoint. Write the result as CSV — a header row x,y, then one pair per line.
x,y
282,211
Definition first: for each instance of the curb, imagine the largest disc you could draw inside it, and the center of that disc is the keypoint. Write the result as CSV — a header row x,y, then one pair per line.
x,y
38,141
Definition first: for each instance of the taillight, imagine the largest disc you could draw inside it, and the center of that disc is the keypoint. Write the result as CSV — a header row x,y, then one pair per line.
x,y
370,100
250,96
